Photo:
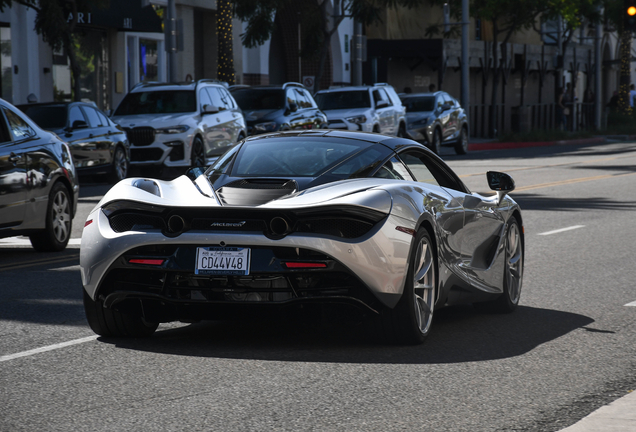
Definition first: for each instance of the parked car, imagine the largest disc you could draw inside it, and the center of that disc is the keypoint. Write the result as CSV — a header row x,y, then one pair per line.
x,y
278,108
38,187
374,108
436,120
180,125
301,218
98,145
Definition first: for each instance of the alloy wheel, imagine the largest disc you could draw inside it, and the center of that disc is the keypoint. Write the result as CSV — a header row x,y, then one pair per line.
x,y
424,284
61,216
514,262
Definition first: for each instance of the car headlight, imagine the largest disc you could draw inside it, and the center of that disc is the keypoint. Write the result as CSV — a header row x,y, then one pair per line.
x,y
266,127
357,119
422,122
173,129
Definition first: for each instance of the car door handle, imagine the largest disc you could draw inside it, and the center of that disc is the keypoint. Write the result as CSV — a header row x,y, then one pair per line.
x,y
218,120
14,158
90,135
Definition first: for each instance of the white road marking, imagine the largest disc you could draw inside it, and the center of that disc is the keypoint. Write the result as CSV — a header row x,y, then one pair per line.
x,y
631,304
47,348
18,241
561,230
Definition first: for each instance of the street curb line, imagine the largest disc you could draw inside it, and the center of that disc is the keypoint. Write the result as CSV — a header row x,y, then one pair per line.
x,y
515,145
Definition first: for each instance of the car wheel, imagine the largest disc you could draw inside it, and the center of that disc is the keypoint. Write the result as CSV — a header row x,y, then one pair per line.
x,y
111,323
411,319
436,145
119,170
198,153
401,131
57,233
461,147
513,272
240,138
376,129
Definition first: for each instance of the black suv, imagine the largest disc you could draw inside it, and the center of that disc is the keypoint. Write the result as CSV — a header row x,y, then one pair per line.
x,y
278,108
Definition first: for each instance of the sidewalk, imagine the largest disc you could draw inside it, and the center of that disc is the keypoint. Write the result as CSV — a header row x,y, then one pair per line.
x,y
477,144
619,416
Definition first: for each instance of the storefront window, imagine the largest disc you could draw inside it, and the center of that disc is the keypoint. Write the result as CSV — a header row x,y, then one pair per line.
x,y
6,91
148,60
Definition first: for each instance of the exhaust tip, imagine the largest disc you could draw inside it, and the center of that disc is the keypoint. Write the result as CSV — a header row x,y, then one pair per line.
x,y
176,224
279,226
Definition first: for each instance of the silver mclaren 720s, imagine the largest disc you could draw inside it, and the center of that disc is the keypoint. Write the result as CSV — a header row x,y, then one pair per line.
x,y
286,219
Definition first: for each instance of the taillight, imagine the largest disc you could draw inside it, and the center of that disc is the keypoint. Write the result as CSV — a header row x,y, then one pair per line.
x,y
156,262
304,265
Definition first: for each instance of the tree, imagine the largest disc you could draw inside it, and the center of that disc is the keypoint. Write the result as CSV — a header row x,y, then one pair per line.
x,y
259,15
225,41
614,12
56,21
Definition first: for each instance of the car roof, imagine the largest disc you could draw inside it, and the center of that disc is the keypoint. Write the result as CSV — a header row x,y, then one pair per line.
x,y
408,95
186,85
43,104
393,143
355,88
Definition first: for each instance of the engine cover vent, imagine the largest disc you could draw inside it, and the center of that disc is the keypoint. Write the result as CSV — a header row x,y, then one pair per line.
x,y
254,192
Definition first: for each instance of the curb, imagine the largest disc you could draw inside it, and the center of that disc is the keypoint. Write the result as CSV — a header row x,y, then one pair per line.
x,y
515,145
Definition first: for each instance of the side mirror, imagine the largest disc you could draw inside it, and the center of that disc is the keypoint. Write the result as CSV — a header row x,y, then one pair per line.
x,y
446,106
108,113
382,104
79,124
500,182
210,109
293,107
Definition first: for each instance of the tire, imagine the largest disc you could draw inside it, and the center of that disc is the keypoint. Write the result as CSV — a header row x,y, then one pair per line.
x,y
513,272
402,131
411,319
198,153
376,129
59,221
112,323
461,147
120,167
436,145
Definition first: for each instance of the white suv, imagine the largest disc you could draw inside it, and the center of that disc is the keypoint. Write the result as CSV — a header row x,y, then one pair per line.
x,y
180,125
374,108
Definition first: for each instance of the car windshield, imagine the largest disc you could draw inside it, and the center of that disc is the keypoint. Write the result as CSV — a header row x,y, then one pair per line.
x,y
343,100
158,102
259,99
302,157
47,117
418,104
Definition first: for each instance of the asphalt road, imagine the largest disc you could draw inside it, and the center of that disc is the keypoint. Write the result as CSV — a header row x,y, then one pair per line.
x,y
568,349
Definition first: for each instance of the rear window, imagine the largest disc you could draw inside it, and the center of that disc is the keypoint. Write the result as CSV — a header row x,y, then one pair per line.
x,y
343,100
259,99
158,102
419,104
302,157
47,117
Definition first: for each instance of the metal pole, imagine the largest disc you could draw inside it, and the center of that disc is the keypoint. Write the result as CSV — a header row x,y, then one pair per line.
x,y
465,60
300,65
598,103
172,54
357,51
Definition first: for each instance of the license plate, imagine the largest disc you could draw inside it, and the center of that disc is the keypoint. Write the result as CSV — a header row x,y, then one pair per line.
x,y
230,261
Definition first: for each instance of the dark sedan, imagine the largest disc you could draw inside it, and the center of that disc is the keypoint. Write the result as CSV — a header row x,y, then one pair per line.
x,y
99,146
38,188
436,120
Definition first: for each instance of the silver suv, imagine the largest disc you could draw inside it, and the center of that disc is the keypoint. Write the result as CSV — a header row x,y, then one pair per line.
x,y
180,125
374,108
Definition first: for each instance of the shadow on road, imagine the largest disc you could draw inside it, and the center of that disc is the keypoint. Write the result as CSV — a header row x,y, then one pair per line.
x,y
552,203
460,334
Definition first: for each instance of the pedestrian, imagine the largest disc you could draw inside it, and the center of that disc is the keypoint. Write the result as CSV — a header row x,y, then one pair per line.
x,y
567,101
632,93
613,102
588,107
431,88
560,109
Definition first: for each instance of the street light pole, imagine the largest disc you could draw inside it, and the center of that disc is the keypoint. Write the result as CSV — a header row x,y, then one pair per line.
x,y
598,105
465,59
172,54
